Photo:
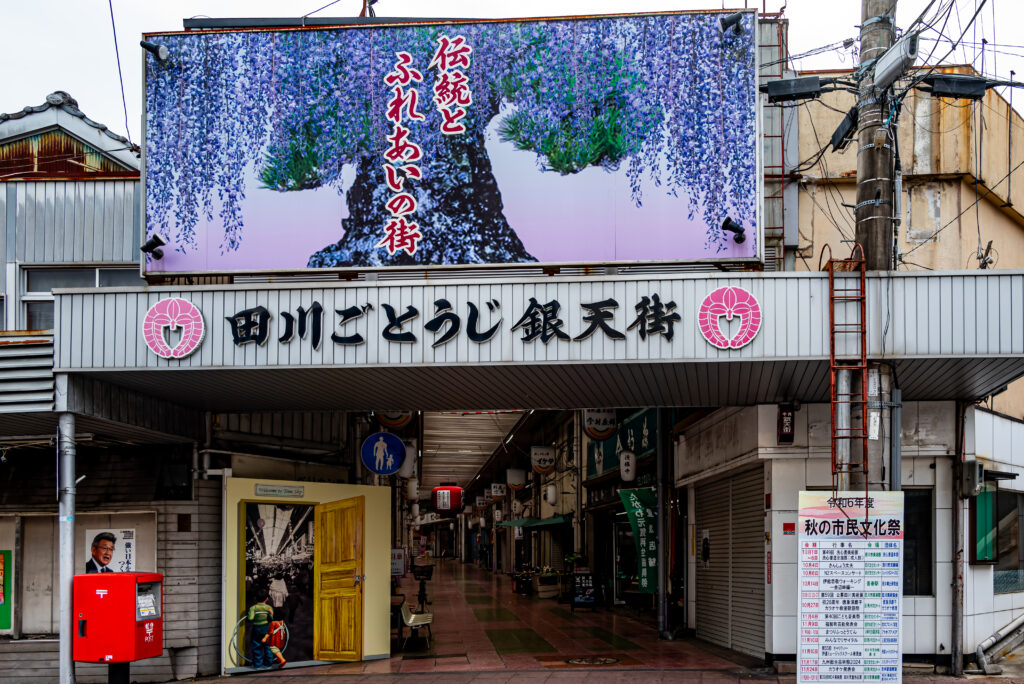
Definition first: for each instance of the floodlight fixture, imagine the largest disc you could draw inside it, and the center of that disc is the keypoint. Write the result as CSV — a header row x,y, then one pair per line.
x,y
895,61
736,229
844,133
792,89
153,244
158,51
733,21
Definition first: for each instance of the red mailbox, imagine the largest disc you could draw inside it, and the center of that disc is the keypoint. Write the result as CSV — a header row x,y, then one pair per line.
x,y
118,617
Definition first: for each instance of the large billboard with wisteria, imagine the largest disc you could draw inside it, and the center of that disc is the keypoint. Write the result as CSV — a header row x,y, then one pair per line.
x,y
618,139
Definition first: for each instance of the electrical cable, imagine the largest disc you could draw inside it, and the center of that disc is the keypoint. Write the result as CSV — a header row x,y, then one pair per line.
x,y
120,77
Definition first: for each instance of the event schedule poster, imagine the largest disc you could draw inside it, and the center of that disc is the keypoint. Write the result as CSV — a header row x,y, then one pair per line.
x,y
851,587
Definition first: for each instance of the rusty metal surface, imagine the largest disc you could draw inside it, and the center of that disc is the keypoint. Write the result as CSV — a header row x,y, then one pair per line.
x,y
55,153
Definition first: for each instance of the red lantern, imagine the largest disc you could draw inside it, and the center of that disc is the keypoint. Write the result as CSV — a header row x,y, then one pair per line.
x,y
447,498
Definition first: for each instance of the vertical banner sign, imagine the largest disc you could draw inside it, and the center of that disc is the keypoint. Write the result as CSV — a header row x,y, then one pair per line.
x,y
5,589
640,505
851,587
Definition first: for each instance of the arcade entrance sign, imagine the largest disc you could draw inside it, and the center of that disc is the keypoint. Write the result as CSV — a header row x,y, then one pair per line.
x,y
653,317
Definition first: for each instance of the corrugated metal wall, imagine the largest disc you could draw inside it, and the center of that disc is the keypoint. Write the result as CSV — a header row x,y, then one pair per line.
x,y
56,222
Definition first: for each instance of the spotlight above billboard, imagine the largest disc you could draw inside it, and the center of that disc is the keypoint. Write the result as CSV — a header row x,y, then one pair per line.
x,y
620,139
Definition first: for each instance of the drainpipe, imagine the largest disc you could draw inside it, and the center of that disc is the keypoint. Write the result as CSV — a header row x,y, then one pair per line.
x,y
66,526
895,441
957,629
659,519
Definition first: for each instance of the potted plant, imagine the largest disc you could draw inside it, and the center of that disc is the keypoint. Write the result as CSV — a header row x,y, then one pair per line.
x,y
546,583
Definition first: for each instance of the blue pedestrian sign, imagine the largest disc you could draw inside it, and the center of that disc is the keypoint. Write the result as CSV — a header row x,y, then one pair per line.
x,y
383,453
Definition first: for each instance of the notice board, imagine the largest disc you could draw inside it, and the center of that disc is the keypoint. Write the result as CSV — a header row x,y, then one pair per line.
x,y
851,587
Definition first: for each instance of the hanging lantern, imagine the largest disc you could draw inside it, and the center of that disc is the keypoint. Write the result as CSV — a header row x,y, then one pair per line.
x,y
412,489
516,478
497,515
598,424
627,466
483,522
542,458
498,491
481,503
447,498
451,526
517,507
469,523
551,495
415,510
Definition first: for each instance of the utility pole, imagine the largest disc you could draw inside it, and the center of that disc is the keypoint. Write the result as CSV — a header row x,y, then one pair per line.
x,y
874,210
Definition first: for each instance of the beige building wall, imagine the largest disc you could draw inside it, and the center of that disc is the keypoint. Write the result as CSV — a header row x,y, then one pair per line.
x,y
946,216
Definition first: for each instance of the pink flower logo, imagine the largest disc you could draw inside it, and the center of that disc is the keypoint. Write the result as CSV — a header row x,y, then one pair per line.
x,y
729,302
173,313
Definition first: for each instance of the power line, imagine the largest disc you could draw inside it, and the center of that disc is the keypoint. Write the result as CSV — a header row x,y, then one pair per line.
x,y
120,77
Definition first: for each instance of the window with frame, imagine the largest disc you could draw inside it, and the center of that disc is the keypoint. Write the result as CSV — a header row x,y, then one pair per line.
x,y
918,542
40,283
983,526
1007,575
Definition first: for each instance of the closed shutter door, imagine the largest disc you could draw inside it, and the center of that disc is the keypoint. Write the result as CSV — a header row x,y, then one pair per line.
x,y
713,581
730,591
748,563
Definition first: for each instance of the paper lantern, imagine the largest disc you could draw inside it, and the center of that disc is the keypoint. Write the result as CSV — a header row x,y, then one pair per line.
x,y
627,466
483,522
599,424
415,510
516,478
447,498
551,494
412,489
498,491
517,507
542,458
451,526
497,515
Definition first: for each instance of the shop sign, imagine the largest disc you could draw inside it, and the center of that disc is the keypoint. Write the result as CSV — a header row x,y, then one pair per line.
x,y
516,478
281,491
397,562
382,453
394,419
498,491
641,506
851,587
649,121
481,502
786,423
637,434
598,424
542,458
543,322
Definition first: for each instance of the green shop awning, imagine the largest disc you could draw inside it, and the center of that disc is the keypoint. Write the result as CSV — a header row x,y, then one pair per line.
x,y
535,522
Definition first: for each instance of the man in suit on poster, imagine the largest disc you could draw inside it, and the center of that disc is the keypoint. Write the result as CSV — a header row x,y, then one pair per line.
x,y
102,553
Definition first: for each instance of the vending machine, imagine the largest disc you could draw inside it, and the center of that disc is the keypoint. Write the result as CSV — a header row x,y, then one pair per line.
x,y
118,617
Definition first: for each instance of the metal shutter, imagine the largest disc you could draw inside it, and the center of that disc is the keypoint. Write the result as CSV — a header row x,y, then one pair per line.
x,y
730,591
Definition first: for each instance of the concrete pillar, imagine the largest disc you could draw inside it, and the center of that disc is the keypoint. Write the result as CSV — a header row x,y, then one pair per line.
x,y
66,526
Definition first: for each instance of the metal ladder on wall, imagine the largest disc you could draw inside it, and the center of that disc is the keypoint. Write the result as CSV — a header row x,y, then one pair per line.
x,y
847,289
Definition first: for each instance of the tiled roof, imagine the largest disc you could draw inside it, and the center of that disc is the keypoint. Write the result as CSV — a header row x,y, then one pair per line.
x,y
64,101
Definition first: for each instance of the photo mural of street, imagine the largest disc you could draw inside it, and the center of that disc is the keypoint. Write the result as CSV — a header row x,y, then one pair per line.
x,y
573,140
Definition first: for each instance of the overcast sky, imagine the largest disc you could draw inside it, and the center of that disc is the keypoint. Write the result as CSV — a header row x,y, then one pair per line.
x,y
50,45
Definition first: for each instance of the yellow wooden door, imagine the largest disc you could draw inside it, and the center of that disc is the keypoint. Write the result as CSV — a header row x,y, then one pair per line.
x,y
338,580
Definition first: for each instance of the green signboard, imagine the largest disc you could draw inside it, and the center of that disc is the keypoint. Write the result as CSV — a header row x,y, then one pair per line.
x,y
638,433
641,506
6,573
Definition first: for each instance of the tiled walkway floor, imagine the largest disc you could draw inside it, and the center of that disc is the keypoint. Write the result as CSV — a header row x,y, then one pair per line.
x,y
480,625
